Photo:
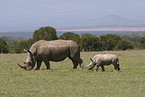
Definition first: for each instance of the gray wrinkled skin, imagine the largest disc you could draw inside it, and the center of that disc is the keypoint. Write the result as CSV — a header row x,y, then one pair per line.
x,y
104,59
56,50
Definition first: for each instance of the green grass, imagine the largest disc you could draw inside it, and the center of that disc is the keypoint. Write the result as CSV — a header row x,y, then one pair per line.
x,y
63,81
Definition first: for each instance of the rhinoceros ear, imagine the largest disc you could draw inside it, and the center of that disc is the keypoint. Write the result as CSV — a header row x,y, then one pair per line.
x,y
27,51
91,59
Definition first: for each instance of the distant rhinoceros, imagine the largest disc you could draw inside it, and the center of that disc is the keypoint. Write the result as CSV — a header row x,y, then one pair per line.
x,y
56,50
104,59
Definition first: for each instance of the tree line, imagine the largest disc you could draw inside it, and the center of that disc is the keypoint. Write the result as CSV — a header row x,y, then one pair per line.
x,y
86,41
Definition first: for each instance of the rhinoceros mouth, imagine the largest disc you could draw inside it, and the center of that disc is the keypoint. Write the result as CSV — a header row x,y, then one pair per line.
x,y
29,68
90,68
26,66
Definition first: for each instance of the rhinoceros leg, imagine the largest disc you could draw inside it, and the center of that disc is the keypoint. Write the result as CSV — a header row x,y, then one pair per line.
x,y
77,61
75,64
103,69
80,61
38,65
97,67
47,64
116,67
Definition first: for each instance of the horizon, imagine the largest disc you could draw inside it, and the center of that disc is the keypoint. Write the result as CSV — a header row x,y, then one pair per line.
x,y
27,35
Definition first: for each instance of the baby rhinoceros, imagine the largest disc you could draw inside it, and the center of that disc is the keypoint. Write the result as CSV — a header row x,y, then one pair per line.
x,y
104,59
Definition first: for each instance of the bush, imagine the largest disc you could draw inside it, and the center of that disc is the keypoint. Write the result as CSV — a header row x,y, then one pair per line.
x,y
45,33
70,36
86,34
142,42
109,41
90,43
124,45
3,46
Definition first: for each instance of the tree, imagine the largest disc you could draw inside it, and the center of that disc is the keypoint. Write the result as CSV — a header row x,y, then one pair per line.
x,y
109,41
90,43
124,45
45,33
86,34
70,36
142,41
3,46
21,46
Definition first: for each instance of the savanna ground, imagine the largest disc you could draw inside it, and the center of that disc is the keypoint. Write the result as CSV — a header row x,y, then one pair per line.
x,y
63,81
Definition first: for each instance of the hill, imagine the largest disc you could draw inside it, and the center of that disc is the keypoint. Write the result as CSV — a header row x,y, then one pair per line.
x,y
108,21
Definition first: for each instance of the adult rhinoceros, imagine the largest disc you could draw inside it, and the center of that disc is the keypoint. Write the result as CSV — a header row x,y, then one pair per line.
x,y
104,59
56,50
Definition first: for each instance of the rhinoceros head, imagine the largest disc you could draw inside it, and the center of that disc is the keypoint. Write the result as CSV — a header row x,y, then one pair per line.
x,y
91,65
29,63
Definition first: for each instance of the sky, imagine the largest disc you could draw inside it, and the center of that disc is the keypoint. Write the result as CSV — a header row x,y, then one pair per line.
x,y
30,15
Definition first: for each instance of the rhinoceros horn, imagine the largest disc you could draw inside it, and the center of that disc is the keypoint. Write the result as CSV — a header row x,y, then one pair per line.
x,y
21,66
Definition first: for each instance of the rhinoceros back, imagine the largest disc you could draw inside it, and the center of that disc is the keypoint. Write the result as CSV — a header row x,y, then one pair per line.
x,y
105,58
55,50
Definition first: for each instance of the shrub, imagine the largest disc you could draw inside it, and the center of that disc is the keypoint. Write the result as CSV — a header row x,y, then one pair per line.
x,y
124,45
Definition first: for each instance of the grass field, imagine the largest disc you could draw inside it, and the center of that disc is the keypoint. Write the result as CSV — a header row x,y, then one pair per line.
x,y
63,81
